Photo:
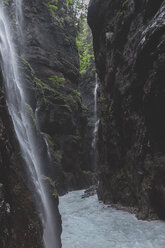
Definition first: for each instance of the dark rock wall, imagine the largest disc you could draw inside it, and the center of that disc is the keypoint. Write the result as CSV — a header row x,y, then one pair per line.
x,y
50,67
129,44
19,222
87,86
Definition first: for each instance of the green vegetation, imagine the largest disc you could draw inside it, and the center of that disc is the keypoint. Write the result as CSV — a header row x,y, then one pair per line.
x,y
31,113
71,100
77,92
121,177
7,2
67,107
40,86
50,141
74,12
52,9
46,90
102,99
84,43
85,53
70,65
57,154
58,157
124,3
69,1
27,64
54,88
84,107
52,184
121,12
73,8
85,172
57,81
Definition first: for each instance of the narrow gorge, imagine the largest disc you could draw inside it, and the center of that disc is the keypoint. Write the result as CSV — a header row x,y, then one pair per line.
x,y
82,126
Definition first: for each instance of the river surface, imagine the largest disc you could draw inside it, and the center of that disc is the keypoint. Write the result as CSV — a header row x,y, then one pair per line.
x,y
90,224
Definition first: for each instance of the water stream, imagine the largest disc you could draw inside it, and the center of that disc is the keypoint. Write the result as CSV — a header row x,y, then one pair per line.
x,y
90,224
96,124
18,106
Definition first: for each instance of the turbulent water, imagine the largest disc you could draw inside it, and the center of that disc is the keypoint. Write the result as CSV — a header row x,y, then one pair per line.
x,y
90,224
19,109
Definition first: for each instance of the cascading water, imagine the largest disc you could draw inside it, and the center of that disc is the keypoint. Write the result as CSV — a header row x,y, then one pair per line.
x,y
95,225
19,16
29,140
96,124
18,8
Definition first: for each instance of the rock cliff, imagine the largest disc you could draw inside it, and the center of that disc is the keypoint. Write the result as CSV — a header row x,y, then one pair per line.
x,y
49,65
129,44
20,223
51,69
87,87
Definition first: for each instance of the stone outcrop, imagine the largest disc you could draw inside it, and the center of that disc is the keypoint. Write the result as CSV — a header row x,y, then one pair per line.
x,y
129,42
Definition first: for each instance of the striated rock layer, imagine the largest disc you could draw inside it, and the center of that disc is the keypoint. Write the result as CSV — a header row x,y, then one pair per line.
x,y
129,44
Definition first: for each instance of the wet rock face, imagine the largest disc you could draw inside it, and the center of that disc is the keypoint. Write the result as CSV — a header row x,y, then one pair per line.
x,y
129,42
20,224
49,65
51,69
4,230
87,86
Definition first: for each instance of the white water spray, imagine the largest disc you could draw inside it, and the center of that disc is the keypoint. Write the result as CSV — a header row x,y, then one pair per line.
x,y
95,225
96,125
19,16
18,106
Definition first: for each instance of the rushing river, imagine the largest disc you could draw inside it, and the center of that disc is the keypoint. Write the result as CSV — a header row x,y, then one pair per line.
x,y
90,224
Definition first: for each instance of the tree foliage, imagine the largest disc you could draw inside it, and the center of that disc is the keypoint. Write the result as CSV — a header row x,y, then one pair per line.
x,y
84,40
84,37
85,48
77,10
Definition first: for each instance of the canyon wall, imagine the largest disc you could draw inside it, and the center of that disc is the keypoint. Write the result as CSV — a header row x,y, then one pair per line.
x,y
129,45
48,62
51,72
20,223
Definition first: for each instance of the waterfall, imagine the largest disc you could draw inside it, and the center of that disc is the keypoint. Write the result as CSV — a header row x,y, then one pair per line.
x,y
26,132
19,16
96,125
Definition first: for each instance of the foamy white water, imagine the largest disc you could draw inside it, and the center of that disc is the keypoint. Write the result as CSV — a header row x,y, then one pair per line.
x,y
90,224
